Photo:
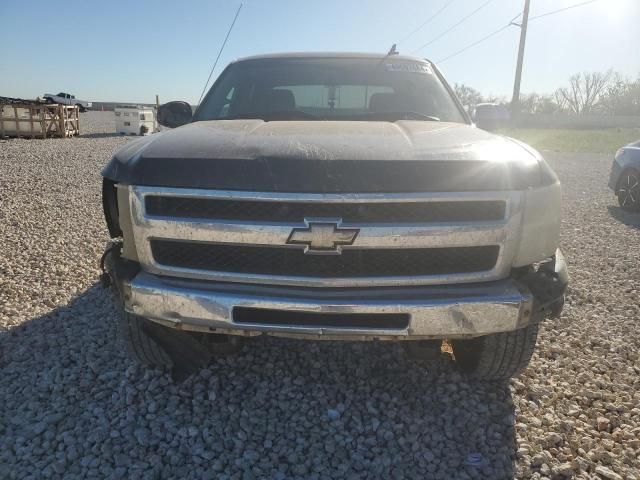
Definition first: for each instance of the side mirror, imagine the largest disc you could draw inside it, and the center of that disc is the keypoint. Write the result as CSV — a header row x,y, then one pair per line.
x,y
174,114
491,117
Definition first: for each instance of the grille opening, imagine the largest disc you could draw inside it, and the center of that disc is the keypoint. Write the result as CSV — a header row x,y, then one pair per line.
x,y
268,260
284,211
261,316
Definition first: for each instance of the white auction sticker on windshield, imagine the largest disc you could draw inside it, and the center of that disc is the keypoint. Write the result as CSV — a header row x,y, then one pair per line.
x,y
423,68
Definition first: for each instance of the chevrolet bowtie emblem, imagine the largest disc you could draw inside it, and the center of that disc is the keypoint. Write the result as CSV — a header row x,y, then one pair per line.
x,y
323,237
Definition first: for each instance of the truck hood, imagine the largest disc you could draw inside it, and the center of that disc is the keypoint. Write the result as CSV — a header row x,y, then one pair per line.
x,y
327,156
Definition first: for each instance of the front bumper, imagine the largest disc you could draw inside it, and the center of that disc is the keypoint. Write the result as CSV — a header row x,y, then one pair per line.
x,y
433,312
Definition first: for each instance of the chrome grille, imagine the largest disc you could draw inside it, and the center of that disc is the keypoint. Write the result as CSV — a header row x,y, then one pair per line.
x,y
402,239
352,263
273,211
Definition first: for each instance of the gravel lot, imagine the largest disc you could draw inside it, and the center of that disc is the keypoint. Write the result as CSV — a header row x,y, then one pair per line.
x,y
74,406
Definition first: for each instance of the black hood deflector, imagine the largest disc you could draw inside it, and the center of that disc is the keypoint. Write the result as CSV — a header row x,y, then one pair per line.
x,y
326,157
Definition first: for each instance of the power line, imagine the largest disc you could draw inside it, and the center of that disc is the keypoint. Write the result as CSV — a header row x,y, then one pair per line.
x,y
428,20
454,26
563,9
511,23
219,53
483,39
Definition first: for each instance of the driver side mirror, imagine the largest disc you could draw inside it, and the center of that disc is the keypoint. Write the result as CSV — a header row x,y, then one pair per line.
x,y
491,116
174,114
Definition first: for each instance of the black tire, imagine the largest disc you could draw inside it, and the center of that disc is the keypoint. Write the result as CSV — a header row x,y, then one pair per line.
x,y
496,357
139,345
50,100
81,107
130,328
628,190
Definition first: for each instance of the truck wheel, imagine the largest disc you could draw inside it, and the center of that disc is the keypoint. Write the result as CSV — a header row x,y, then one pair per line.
x,y
140,346
496,357
81,107
628,191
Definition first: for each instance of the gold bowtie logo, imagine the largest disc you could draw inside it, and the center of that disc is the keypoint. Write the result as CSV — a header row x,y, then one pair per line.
x,y
323,237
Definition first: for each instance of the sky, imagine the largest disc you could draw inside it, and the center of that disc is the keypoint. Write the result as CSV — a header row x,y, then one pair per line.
x,y
130,51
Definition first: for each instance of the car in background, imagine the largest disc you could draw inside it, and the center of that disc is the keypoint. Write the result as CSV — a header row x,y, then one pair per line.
x,y
490,116
624,179
67,99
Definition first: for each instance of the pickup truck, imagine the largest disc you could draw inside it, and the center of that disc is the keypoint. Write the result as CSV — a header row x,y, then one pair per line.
x,y
332,196
67,99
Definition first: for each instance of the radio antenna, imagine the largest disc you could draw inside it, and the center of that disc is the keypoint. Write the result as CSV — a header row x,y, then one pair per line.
x,y
219,53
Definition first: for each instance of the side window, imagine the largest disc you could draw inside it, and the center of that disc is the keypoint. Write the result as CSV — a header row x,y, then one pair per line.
x,y
142,116
224,111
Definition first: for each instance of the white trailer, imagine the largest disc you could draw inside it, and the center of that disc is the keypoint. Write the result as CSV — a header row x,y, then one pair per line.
x,y
135,120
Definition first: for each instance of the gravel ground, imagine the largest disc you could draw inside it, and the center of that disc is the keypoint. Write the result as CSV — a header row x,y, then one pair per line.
x,y
74,406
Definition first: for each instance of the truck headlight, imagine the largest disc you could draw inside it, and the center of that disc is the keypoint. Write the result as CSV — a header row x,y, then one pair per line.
x,y
540,232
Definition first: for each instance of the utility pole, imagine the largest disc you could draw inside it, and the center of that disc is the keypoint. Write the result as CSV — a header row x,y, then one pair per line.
x,y
515,101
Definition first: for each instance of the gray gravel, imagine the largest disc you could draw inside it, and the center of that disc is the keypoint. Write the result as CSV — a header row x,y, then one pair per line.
x,y
74,406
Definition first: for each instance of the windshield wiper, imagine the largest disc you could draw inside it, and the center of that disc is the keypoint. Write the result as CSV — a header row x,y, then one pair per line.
x,y
277,115
409,115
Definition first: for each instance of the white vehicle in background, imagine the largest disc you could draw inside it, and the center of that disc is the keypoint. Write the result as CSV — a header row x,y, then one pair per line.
x,y
67,99
135,120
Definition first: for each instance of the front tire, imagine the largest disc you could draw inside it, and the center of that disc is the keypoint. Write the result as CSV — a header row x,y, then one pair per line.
x,y
141,348
628,191
496,357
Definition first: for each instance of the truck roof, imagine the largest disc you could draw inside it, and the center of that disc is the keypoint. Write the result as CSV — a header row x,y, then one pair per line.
x,y
326,55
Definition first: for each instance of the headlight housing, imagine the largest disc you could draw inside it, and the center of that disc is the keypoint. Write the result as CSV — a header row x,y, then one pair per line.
x,y
110,207
540,228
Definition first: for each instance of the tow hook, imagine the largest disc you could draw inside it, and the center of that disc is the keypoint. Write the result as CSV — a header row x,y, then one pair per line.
x,y
548,284
113,248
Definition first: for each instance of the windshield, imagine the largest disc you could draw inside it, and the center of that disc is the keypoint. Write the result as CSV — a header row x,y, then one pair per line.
x,y
330,89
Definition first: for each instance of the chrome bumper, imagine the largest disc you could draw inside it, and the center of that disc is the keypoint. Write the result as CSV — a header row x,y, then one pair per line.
x,y
452,311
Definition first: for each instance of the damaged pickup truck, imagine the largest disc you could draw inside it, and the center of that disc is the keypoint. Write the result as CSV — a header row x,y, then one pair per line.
x,y
333,196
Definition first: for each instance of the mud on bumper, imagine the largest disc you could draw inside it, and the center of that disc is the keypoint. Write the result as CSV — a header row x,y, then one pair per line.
x,y
399,313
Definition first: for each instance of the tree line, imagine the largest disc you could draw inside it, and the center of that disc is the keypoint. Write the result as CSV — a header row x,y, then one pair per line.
x,y
606,93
